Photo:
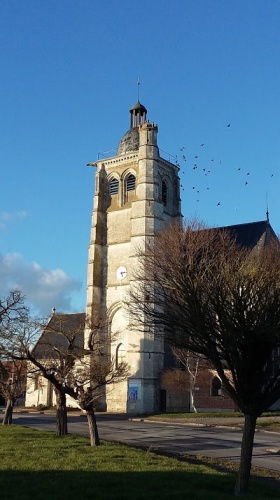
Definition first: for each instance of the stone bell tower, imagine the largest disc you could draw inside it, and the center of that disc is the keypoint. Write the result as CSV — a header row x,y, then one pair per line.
x,y
137,192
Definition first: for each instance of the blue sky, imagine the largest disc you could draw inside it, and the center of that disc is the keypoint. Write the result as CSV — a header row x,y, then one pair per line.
x,y
69,76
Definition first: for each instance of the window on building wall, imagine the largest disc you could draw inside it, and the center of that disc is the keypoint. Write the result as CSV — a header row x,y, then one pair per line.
x,y
164,192
114,186
216,387
130,182
120,355
36,381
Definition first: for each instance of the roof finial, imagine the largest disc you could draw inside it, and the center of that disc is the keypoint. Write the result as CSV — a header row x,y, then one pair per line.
x,y
267,212
53,311
138,87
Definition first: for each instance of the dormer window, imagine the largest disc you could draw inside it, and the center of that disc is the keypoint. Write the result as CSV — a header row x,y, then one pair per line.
x,y
130,182
114,186
164,193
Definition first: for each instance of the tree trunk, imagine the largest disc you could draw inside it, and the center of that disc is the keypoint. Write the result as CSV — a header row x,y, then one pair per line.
x,y
192,405
8,416
92,425
61,414
242,483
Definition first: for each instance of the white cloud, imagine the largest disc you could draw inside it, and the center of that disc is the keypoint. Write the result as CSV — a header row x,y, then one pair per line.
x,y
8,217
43,288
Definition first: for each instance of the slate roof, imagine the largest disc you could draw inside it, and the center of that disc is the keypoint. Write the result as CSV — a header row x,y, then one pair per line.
x,y
251,234
55,333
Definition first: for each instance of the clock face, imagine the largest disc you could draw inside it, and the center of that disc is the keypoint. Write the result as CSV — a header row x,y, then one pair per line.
x,y
121,273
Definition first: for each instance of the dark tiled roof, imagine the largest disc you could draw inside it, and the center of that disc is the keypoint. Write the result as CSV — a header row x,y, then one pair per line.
x,y
58,329
250,234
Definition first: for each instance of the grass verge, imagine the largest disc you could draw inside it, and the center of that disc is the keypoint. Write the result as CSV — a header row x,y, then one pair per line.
x,y
187,416
38,465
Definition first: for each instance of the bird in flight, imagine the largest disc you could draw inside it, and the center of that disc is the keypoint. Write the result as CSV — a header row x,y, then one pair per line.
x,y
228,125
201,144
181,149
218,203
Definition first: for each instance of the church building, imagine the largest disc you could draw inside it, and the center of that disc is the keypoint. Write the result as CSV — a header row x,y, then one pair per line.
x,y
137,193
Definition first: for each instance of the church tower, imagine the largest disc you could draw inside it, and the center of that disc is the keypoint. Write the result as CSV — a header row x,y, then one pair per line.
x,y
137,192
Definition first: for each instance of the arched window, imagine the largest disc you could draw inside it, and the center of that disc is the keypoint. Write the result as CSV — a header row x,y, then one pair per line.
x,y
130,183
164,192
114,186
120,355
216,387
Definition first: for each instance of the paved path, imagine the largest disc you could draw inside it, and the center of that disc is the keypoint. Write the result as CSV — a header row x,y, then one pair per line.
x,y
209,441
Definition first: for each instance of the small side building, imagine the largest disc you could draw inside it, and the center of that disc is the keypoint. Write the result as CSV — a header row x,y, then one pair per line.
x,y
39,391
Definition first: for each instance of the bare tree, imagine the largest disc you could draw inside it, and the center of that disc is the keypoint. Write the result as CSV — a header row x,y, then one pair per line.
x,y
12,385
54,355
209,296
192,363
13,314
12,308
74,369
95,370
55,351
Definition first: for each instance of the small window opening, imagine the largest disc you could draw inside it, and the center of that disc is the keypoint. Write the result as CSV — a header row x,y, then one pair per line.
x,y
164,192
216,387
120,355
114,186
130,183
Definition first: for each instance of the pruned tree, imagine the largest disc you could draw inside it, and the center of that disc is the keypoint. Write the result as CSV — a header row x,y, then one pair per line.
x,y
73,369
55,350
54,355
93,371
214,298
12,385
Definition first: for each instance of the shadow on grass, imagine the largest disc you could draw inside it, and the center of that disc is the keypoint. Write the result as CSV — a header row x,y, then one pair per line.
x,y
85,485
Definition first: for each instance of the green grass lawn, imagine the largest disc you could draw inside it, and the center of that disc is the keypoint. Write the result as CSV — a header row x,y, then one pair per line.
x,y
39,466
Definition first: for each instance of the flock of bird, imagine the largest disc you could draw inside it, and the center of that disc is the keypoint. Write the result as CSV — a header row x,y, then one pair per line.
x,y
192,162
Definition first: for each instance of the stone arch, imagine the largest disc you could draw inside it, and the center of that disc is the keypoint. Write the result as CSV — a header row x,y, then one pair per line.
x,y
129,185
114,188
118,326
165,192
